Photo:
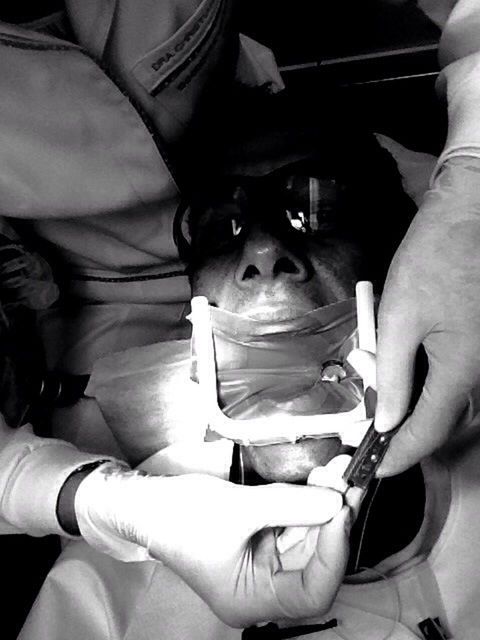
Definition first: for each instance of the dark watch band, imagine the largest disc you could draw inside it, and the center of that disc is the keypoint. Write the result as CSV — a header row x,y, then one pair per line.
x,y
65,510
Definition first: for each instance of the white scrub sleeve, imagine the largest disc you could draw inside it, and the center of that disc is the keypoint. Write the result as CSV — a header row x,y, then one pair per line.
x,y
32,472
459,81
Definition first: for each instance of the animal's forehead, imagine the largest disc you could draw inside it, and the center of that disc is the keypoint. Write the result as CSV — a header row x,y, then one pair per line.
x,y
280,185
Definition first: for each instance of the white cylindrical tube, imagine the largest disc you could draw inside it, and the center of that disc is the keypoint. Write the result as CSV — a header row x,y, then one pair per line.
x,y
204,351
367,338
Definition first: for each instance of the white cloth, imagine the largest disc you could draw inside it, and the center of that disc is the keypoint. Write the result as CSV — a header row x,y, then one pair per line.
x,y
459,81
66,122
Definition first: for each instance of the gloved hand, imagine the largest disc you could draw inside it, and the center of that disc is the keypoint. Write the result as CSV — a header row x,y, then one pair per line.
x,y
221,538
432,297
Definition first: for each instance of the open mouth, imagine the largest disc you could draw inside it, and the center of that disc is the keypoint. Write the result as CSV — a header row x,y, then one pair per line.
x,y
270,386
277,404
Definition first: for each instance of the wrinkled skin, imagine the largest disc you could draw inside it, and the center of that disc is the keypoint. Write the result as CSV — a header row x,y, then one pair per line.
x,y
271,271
432,298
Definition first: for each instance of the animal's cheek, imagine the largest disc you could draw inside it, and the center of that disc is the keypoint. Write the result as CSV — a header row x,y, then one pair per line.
x,y
213,278
335,273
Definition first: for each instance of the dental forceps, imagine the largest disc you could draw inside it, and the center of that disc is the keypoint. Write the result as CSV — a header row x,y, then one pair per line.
x,y
367,457
372,448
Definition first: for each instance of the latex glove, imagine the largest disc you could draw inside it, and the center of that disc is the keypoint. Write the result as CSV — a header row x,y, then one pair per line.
x,y
221,538
296,544
365,364
432,297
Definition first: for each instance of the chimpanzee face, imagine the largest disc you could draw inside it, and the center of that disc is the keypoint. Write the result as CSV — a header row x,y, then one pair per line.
x,y
276,247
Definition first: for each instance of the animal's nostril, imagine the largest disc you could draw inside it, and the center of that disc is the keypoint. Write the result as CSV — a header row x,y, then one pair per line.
x,y
250,272
285,265
282,265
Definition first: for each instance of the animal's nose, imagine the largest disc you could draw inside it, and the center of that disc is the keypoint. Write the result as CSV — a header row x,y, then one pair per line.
x,y
264,257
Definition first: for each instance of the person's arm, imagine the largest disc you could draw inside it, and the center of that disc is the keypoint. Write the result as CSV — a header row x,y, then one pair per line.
x,y
221,538
206,529
32,472
432,293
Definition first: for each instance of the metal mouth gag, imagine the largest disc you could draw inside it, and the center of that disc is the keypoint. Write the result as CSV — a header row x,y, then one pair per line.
x,y
349,426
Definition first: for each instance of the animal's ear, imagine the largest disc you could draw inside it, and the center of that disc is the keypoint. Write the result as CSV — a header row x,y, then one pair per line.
x,y
414,167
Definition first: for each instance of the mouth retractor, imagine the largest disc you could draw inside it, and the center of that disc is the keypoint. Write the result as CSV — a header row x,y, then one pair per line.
x,y
349,426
